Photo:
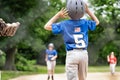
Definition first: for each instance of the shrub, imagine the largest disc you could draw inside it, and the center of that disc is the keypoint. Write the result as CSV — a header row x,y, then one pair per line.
x,y
2,59
22,64
106,50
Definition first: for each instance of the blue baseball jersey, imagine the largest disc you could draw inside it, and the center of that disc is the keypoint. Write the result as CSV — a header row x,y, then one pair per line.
x,y
74,32
51,53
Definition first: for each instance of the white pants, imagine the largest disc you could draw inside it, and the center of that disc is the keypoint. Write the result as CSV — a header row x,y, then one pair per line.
x,y
112,68
51,65
76,64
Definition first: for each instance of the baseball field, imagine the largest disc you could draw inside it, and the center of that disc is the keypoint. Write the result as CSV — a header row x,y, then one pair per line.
x,y
94,73
91,76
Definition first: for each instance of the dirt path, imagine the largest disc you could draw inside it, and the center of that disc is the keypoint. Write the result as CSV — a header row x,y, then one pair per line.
x,y
91,76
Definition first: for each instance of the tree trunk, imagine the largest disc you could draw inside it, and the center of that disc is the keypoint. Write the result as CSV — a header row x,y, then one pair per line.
x,y
41,58
10,58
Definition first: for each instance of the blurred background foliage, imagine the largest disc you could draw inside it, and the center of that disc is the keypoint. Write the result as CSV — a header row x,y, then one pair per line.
x,y
27,48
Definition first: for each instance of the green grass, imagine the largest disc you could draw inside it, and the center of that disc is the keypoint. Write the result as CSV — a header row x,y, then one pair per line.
x,y
58,69
61,69
101,69
6,75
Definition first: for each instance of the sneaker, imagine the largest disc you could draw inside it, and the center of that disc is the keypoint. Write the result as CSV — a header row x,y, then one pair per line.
x,y
48,78
52,78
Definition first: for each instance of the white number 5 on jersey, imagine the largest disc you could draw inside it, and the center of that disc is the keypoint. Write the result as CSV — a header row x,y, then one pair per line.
x,y
79,40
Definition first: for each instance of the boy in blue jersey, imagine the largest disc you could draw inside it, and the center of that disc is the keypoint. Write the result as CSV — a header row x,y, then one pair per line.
x,y
75,35
50,58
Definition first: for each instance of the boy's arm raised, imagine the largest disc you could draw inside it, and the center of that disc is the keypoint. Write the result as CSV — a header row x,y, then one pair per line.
x,y
61,14
92,15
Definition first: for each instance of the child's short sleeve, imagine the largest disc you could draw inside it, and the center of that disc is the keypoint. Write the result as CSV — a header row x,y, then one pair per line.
x,y
57,28
55,52
91,25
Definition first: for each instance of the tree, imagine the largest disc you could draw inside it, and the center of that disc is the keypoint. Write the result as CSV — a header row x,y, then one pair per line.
x,y
25,12
47,36
108,13
106,50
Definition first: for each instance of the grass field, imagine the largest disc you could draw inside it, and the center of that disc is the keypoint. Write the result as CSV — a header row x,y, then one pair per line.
x,y
61,69
6,75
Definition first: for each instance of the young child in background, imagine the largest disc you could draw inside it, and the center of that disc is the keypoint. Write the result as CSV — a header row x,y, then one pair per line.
x,y
50,58
112,61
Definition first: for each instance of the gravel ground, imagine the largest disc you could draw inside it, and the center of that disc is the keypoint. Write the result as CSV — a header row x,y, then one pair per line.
x,y
91,76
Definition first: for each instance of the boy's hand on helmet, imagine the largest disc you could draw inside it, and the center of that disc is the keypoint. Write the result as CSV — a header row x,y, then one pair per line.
x,y
63,13
86,7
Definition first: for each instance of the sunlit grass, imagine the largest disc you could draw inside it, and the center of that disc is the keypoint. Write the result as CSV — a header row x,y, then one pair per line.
x,y
101,69
6,75
58,69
